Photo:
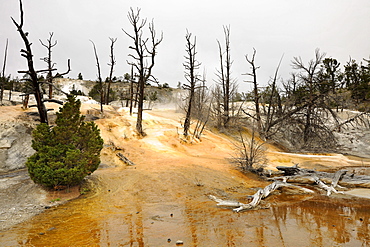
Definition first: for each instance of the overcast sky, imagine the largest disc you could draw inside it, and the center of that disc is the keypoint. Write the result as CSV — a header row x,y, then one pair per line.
x,y
340,28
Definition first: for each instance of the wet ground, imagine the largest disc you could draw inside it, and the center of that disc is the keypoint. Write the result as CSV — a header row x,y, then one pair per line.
x,y
106,218
164,199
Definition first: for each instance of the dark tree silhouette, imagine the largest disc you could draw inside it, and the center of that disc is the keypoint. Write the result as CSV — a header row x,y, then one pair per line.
x,y
191,65
256,96
48,60
227,84
100,82
31,72
3,79
144,52
111,64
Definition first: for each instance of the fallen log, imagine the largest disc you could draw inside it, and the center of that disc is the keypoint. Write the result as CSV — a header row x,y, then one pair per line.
x,y
289,170
125,159
302,176
329,189
258,196
337,177
340,179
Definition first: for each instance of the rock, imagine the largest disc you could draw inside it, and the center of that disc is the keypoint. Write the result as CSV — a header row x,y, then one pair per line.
x,y
15,144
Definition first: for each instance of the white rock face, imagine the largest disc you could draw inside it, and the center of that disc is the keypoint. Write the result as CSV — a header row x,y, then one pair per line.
x,y
15,144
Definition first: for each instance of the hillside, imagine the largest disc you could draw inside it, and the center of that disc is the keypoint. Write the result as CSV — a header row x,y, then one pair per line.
x,y
165,195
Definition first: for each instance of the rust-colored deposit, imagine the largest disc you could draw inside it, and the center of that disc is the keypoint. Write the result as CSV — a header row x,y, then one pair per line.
x,y
164,197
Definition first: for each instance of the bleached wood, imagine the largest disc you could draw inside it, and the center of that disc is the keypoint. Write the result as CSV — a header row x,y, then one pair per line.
x,y
258,196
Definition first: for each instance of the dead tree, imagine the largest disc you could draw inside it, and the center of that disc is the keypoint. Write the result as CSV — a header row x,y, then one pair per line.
x,y
308,79
48,60
145,50
111,64
202,108
191,65
27,53
312,117
100,82
50,77
2,76
216,107
132,81
256,97
272,109
31,72
227,84
250,152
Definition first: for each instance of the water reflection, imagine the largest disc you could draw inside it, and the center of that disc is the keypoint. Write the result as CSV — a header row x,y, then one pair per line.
x,y
105,220
328,221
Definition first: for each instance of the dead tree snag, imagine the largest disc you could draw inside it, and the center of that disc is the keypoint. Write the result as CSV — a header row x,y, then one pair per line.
x,y
31,72
144,52
191,65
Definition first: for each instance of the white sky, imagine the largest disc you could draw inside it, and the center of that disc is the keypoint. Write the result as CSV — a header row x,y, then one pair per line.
x,y
340,28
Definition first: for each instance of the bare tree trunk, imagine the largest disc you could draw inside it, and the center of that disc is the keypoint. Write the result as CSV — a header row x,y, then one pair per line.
x,y
140,107
100,82
255,89
131,89
48,60
191,65
2,78
224,76
31,71
227,93
144,58
25,101
309,79
111,64
11,85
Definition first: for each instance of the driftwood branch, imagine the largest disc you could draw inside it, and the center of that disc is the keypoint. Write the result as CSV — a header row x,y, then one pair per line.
x,y
298,175
337,180
329,189
259,195
125,159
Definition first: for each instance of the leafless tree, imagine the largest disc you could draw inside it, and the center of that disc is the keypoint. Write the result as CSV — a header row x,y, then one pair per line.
x,y
111,64
50,77
216,106
145,50
31,72
2,76
250,152
300,114
272,108
256,95
132,93
49,62
191,65
308,77
202,106
100,81
227,84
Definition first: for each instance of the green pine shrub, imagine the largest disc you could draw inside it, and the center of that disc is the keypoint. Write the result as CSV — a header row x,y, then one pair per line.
x,y
67,152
